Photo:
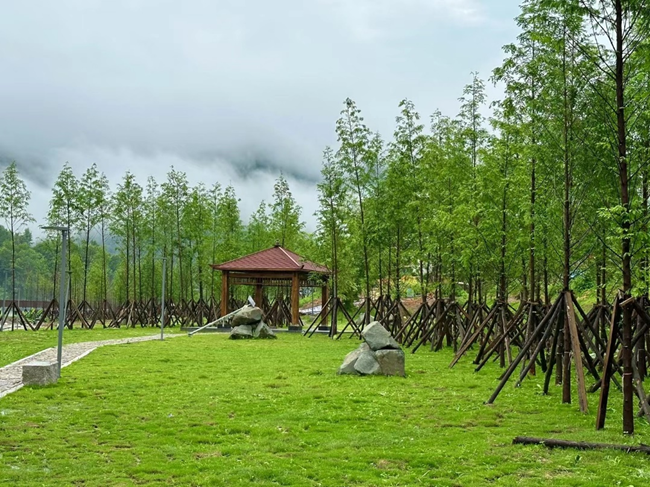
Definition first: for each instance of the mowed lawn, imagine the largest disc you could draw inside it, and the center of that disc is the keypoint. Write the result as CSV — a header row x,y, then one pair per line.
x,y
209,411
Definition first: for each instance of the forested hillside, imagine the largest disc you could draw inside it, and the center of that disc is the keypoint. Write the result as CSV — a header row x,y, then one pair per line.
x,y
120,235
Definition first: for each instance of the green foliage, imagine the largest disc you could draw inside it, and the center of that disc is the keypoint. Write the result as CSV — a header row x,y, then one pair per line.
x,y
259,235
286,226
126,226
64,206
93,202
14,202
333,233
120,239
356,159
230,229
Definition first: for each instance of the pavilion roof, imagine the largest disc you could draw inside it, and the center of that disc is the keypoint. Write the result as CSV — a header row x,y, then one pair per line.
x,y
276,259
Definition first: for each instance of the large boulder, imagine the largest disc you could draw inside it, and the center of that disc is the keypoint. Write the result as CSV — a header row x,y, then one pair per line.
x,y
347,367
378,338
391,362
367,364
241,331
248,315
262,330
379,355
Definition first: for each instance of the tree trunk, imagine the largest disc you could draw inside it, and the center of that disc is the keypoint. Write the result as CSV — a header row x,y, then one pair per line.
x,y
566,213
628,403
104,274
397,263
128,256
13,265
86,260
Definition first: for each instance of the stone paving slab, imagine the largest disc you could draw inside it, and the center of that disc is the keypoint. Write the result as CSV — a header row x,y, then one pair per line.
x,y
11,375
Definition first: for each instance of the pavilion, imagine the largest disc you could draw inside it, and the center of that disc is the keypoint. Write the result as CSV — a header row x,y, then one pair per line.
x,y
272,267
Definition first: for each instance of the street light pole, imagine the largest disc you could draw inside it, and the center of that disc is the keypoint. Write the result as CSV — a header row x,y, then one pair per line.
x,y
62,297
62,291
162,308
4,290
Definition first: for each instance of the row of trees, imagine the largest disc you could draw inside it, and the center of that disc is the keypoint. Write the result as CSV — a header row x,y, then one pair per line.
x,y
518,197
521,196
550,189
120,236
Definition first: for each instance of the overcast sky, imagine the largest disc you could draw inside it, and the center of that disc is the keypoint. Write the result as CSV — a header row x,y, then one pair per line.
x,y
233,91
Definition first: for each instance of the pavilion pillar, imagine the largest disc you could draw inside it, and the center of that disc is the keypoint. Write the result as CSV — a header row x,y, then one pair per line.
x,y
324,295
225,284
295,299
259,295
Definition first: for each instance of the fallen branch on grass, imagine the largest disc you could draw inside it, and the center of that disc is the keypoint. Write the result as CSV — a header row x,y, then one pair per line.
x,y
581,445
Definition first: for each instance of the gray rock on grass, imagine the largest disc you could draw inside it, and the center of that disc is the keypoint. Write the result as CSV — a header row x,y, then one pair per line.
x,y
247,323
378,338
347,368
247,316
391,362
241,332
367,364
379,355
262,330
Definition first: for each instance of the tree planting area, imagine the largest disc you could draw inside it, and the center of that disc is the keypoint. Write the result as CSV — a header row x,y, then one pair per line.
x,y
506,248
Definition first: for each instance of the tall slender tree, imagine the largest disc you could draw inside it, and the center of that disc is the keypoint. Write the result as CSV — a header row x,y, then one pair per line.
x,y
91,200
285,215
409,149
65,208
14,203
354,138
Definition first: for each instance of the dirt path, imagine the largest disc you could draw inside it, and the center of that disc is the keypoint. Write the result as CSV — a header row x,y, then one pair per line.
x,y
11,375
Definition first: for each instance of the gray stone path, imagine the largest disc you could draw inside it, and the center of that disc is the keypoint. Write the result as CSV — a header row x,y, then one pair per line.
x,y
11,375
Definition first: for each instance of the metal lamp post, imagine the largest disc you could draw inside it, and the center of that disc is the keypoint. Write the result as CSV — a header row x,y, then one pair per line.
x,y
4,289
62,290
162,307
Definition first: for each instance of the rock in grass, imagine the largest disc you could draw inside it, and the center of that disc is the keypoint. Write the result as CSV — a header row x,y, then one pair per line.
x,y
40,373
247,316
379,355
391,362
241,332
347,368
367,364
378,338
262,330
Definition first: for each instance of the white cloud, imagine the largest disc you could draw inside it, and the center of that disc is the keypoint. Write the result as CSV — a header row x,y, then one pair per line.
x,y
370,20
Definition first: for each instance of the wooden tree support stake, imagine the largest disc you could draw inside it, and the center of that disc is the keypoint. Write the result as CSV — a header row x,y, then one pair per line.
x,y
575,345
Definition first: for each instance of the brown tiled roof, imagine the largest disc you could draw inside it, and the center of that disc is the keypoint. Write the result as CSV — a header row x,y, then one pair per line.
x,y
274,259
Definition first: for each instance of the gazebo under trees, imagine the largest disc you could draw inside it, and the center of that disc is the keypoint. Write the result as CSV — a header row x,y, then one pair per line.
x,y
274,267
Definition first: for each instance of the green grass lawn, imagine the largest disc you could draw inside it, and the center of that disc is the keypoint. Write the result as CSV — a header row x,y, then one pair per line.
x,y
209,411
15,345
